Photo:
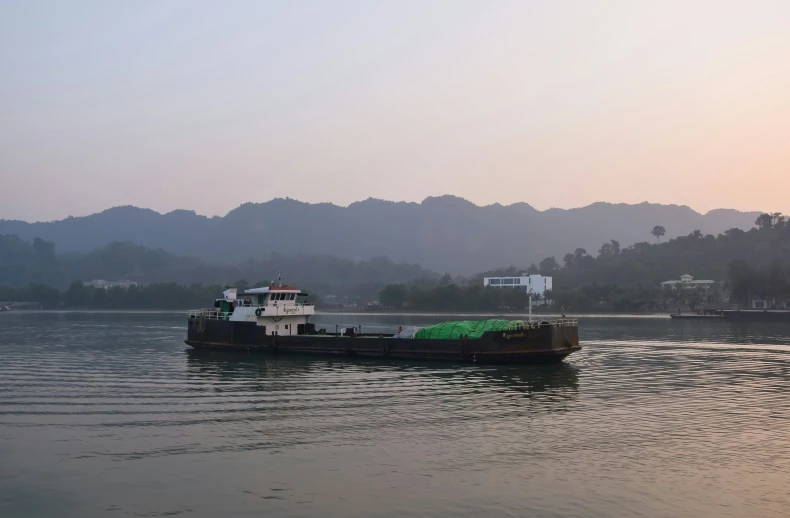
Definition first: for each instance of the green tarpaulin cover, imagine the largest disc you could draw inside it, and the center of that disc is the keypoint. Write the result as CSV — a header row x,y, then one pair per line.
x,y
471,328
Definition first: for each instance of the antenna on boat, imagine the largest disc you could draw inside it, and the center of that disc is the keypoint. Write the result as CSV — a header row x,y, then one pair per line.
x,y
529,296
280,279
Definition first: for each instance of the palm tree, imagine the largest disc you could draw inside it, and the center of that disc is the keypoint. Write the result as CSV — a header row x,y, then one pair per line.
x,y
658,231
764,221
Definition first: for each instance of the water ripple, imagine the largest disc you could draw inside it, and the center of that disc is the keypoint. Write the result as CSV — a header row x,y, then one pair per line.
x,y
110,412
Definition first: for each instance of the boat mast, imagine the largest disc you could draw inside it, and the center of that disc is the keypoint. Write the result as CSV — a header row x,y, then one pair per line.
x,y
529,296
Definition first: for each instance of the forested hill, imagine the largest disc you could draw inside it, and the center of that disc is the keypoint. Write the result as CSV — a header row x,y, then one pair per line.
x,y
615,278
444,233
23,262
612,277
703,256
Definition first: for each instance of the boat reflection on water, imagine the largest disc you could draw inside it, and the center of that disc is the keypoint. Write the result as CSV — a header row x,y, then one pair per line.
x,y
271,372
531,379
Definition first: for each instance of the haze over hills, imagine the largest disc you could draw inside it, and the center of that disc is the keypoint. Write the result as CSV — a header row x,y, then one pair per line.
x,y
38,262
443,233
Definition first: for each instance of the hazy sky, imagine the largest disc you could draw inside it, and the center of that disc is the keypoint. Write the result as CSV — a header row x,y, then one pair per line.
x,y
205,105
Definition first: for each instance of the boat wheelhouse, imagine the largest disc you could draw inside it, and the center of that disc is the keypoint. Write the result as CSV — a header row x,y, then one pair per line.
x,y
276,309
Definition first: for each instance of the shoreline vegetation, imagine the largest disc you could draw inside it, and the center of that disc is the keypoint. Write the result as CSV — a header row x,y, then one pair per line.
x,y
743,264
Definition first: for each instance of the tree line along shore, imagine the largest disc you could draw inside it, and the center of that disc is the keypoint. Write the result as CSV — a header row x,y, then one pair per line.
x,y
744,264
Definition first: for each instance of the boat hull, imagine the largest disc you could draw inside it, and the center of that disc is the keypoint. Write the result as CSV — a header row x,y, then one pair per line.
x,y
546,343
758,315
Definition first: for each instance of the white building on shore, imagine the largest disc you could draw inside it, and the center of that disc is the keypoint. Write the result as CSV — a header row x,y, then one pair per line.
x,y
532,283
687,281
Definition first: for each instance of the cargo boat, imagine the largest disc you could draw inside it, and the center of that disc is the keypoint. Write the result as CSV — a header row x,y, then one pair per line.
x,y
272,319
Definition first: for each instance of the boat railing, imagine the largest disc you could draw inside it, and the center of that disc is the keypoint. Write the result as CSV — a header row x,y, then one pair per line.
x,y
214,313
560,322
297,304
208,314
566,322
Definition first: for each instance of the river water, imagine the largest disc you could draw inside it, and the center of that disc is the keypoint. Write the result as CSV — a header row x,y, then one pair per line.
x,y
110,414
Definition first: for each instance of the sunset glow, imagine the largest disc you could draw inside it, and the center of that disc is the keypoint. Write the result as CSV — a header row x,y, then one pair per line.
x,y
153,104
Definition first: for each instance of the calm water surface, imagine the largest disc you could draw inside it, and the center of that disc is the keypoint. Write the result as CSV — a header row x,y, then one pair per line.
x,y
109,414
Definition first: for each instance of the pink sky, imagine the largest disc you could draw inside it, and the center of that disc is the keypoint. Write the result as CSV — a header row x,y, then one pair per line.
x,y
206,105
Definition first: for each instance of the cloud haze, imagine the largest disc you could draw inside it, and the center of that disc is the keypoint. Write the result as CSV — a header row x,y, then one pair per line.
x,y
205,105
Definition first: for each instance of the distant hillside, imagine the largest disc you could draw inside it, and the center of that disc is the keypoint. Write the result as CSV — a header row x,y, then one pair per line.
x,y
744,265
24,262
443,233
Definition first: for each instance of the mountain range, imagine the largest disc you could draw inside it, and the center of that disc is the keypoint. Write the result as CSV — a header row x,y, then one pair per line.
x,y
445,233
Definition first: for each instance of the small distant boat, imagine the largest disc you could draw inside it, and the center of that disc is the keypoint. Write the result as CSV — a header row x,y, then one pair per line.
x,y
702,314
740,315
695,316
758,315
272,319
20,306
